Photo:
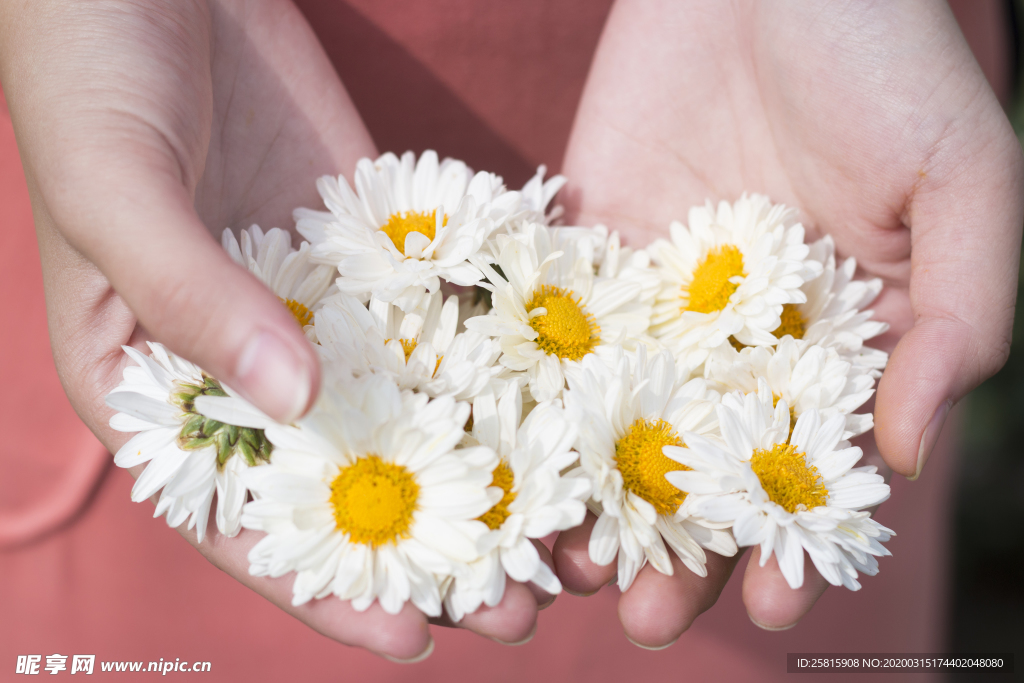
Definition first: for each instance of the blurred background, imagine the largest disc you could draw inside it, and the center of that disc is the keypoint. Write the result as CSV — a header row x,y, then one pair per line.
x,y
988,536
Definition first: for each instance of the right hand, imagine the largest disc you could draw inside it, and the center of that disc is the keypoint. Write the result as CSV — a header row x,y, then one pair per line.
x,y
875,121
142,128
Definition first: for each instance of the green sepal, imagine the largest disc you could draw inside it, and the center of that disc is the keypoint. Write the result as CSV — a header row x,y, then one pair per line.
x,y
192,426
247,452
223,447
199,431
197,443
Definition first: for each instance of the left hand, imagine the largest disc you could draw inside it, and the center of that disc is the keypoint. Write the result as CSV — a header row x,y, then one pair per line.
x,y
143,127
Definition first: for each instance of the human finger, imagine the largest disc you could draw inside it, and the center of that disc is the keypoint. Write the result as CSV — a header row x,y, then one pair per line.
x,y
771,603
965,220
658,608
577,572
402,637
543,598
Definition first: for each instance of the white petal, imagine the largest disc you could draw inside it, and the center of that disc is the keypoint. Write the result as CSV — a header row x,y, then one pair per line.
x,y
604,540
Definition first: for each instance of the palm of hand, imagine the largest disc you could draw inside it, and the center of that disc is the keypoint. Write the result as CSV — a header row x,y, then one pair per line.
x,y
765,101
873,121
866,118
281,118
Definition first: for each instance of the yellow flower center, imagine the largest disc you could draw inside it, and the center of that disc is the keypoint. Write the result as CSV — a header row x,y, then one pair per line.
x,y
711,289
565,330
374,501
401,223
787,478
503,478
408,346
303,315
792,415
643,465
793,323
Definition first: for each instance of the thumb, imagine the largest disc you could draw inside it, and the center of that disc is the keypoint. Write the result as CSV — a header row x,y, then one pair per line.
x,y
188,293
965,252
113,105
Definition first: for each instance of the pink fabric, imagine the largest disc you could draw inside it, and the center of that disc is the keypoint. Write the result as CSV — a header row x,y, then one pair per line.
x,y
49,462
85,571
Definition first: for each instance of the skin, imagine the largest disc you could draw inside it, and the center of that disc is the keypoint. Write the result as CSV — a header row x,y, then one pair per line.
x,y
876,122
144,126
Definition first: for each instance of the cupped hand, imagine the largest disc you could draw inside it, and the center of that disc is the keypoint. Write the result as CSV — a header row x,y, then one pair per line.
x,y
143,127
875,121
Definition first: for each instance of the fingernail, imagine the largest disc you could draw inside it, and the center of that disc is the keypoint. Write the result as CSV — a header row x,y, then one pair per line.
x,y
578,595
931,436
271,374
524,641
413,660
766,627
614,580
547,604
652,648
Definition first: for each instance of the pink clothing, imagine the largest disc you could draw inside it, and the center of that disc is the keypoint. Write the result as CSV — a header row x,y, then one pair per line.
x,y
85,571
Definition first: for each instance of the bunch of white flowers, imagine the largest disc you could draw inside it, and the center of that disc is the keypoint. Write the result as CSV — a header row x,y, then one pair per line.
x,y
490,376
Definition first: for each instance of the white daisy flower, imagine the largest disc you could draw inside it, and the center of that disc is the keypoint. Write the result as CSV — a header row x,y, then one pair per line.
x,y
729,274
550,311
627,414
833,316
611,258
536,500
537,194
291,274
835,313
419,350
787,494
367,498
535,197
408,226
190,456
807,377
